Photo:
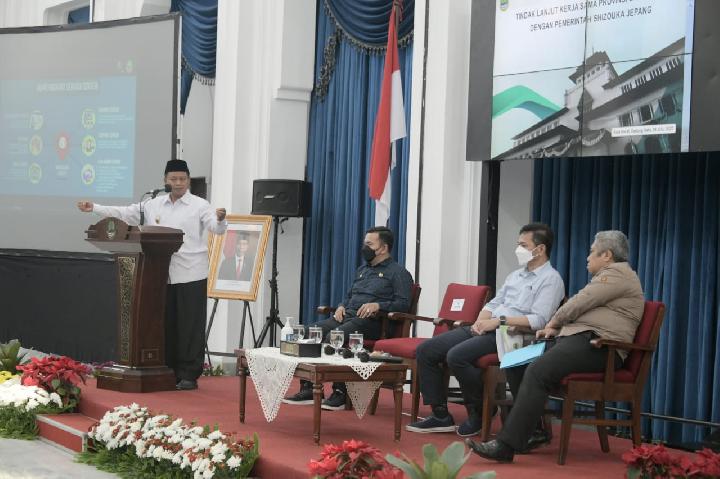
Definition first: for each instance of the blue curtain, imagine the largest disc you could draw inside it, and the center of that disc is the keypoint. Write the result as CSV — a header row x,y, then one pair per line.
x,y
342,120
668,206
199,43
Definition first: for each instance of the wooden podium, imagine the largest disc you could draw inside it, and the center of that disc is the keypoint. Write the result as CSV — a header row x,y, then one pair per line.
x,y
142,254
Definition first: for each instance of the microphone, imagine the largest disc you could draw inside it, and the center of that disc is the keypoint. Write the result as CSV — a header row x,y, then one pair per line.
x,y
167,189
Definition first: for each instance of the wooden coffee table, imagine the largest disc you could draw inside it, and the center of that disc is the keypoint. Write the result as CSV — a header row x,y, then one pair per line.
x,y
323,373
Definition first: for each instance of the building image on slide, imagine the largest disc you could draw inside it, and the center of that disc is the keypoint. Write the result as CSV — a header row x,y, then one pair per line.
x,y
606,113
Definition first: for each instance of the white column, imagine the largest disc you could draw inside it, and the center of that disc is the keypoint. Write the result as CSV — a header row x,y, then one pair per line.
x,y
450,192
262,96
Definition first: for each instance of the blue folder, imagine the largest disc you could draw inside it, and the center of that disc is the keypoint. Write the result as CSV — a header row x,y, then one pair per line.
x,y
522,356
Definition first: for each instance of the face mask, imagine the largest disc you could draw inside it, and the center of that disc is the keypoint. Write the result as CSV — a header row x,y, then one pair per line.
x,y
523,255
368,253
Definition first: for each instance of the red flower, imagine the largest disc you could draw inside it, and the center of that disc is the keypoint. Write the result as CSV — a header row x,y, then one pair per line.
x,y
656,461
56,374
353,459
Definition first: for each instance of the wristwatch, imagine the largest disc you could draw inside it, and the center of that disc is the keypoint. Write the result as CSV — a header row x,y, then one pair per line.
x,y
503,320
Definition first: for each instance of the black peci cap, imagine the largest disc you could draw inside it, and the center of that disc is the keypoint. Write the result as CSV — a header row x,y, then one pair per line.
x,y
177,165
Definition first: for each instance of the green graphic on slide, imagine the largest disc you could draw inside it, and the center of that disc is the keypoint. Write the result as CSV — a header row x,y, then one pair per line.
x,y
520,96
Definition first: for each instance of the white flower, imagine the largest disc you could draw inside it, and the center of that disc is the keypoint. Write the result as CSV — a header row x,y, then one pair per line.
x,y
203,443
55,397
215,435
234,462
31,404
157,453
218,449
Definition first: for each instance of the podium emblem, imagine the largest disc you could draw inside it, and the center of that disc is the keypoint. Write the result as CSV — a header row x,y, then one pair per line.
x,y
111,229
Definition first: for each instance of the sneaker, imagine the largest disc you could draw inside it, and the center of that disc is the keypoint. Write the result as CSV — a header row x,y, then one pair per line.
x,y
471,426
304,396
335,402
432,424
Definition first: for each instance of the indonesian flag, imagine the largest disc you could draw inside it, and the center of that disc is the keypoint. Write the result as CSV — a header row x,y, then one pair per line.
x,y
389,127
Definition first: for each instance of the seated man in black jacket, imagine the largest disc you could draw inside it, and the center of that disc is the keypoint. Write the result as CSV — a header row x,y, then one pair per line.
x,y
380,285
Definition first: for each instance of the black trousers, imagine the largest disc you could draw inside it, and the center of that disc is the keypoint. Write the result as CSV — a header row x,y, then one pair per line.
x,y
534,383
460,348
185,316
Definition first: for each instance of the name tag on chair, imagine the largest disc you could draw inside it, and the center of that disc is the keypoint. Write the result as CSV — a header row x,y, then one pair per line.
x,y
457,304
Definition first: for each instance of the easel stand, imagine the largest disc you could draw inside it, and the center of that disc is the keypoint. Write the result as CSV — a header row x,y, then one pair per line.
x,y
246,314
273,319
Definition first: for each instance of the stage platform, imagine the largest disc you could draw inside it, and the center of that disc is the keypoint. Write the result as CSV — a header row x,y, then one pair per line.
x,y
286,444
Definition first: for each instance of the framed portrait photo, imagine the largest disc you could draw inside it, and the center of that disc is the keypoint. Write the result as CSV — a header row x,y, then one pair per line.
x,y
237,257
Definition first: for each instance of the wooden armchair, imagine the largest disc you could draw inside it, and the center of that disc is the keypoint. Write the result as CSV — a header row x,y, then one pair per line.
x,y
402,331
624,384
473,299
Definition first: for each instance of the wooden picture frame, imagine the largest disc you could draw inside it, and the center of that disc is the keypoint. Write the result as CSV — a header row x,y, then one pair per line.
x,y
237,257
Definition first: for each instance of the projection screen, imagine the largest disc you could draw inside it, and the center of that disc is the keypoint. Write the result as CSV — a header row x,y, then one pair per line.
x,y
86,113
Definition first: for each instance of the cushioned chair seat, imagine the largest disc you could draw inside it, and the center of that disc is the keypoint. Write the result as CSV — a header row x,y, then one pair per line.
x,y
402,347
488,360
621,376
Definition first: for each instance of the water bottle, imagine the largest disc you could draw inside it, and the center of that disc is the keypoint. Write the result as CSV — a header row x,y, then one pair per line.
x,y
286,333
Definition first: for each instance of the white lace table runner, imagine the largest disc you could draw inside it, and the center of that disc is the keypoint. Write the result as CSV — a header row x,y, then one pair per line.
x,y
272,373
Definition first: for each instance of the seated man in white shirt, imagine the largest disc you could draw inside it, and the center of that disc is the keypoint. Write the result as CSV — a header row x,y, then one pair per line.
x,y
526,302
186,297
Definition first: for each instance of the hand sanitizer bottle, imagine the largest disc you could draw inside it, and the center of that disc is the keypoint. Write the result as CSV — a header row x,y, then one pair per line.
x,y
286,333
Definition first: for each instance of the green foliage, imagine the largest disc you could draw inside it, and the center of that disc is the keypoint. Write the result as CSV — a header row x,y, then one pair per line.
x,y
17,423
437,466
10,356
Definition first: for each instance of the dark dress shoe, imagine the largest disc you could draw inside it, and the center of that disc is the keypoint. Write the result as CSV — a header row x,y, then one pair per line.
x,y
493,450
186,385
539,438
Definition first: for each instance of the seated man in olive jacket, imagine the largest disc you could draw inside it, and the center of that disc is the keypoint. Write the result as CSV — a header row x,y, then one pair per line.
x,y
608,307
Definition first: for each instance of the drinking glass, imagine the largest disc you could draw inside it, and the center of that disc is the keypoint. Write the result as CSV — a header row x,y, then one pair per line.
x,y
299,332
355,342
315,334
337,338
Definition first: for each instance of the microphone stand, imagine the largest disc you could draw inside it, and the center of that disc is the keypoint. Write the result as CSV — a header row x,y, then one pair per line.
x,y
153,194
142,212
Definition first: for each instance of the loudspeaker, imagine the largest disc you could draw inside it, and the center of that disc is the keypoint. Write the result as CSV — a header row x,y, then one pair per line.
x,y
281,197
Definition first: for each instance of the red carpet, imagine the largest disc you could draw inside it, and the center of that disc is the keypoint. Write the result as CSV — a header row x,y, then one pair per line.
x,y
286,444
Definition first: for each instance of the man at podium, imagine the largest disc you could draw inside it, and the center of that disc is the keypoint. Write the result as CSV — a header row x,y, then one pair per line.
x,y
186,297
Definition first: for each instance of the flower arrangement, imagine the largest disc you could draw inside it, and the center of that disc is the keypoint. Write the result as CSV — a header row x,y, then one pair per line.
x,y
654,461
56,374
352,460
135,443
18,406
208,370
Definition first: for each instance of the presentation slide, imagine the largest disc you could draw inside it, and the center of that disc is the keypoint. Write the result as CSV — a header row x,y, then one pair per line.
x,y
591,77
69,137
87,113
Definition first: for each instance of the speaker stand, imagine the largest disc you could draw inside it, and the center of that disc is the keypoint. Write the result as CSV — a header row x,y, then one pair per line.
x,y
273,319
